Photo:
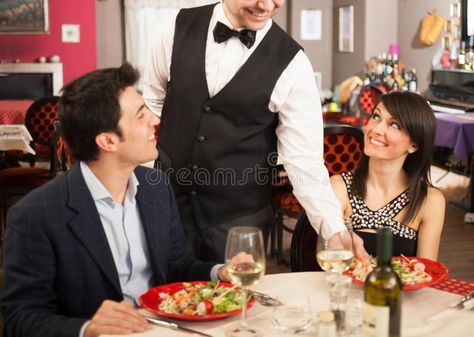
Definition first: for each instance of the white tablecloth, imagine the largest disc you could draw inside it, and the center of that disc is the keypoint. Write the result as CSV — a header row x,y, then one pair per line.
x,y
15,137
417,307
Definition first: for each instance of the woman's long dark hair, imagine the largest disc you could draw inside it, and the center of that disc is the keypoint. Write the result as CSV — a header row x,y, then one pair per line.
x,y
417,118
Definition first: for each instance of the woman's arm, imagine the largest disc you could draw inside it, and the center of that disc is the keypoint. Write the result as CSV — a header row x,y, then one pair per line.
x,y
431,225
340,190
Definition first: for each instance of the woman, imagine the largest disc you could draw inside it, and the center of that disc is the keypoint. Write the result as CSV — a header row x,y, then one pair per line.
x,y
392,187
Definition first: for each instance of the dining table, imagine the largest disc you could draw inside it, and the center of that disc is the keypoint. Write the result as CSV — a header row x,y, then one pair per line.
x,y
15,137
456,131
426,312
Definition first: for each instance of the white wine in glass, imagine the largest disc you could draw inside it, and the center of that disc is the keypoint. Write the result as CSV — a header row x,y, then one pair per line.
x,y
245,264
336,253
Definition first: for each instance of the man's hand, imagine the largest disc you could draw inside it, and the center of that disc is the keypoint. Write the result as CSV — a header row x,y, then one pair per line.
x,y
345,241
237,259
116,318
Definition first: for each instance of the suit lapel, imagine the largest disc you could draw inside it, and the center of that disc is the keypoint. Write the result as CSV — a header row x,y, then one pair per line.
x,y
147,204
88,228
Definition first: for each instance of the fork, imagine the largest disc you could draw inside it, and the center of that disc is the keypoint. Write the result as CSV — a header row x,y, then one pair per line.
x,y
265,299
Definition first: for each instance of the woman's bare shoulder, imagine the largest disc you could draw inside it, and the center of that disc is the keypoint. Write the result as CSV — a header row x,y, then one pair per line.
x,y
336,179
434,195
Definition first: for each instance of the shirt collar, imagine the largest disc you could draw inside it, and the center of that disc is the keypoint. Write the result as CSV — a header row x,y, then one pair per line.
x,y
98,190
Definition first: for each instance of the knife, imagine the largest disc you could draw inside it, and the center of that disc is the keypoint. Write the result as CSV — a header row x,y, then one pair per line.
x,y
460,304
174,326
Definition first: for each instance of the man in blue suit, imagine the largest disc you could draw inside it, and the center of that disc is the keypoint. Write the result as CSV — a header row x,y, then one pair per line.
x,y
82,248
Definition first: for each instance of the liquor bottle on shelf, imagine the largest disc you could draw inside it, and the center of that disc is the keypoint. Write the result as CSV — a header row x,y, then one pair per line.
x,y
453,55
445,61
412,81
470,54
367,78
462,56
382,293
405,80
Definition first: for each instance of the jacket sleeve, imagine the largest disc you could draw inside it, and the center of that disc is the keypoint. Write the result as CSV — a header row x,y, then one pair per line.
x,y
29,301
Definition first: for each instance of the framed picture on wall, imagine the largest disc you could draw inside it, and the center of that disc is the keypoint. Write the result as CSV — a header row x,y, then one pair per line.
x,y
346,29
24,17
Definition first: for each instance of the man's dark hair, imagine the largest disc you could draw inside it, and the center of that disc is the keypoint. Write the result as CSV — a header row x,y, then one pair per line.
x,y
90,105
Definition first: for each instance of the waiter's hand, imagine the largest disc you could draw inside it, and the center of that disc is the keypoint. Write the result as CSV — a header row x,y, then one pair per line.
x,y
353,242
237,259
116,318
359,249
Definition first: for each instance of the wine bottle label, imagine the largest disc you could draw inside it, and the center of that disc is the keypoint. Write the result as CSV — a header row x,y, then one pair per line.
x,y
376,320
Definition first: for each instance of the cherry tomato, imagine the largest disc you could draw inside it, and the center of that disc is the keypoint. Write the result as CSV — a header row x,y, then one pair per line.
x,y
209,306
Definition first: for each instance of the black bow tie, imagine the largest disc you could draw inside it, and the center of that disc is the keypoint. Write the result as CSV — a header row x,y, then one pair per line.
x,y
223,33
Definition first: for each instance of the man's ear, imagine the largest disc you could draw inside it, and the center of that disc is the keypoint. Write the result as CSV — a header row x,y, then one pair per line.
x,y
106,141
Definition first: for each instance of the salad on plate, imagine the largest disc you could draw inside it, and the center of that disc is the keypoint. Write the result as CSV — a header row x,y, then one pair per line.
x,y
410,270
200,298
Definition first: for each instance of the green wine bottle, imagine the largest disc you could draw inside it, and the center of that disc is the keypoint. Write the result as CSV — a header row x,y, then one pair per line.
x,y
382,293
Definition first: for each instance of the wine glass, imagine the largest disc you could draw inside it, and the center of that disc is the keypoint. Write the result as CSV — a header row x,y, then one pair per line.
x,y
245,265
335,253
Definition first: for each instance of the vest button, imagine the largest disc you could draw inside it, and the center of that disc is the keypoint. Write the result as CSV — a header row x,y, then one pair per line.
x,y
207,108
193,193
195,167
201,139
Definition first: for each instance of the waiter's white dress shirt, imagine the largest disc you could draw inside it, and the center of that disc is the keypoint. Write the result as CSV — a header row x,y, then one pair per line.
x,y
295,97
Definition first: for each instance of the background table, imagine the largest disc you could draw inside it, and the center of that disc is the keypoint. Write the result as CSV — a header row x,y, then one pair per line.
x,y
15,137
13,111
457,132
417,306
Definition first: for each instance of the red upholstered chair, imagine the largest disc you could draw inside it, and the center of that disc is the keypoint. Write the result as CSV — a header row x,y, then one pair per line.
x,y
343,147
39,121
62,158
303,246
284,203
368,98
17,181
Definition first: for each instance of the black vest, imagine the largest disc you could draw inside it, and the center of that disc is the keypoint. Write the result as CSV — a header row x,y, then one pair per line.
x,y
220,151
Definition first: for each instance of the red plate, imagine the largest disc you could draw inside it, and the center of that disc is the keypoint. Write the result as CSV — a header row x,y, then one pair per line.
x,y
436,270
151,301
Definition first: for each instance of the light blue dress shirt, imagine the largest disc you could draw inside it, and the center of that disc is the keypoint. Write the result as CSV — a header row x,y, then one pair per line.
x,y
124,230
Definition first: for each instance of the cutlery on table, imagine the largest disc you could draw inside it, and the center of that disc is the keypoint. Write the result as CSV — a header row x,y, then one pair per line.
x,y
458,306
265,299
464,299
174,326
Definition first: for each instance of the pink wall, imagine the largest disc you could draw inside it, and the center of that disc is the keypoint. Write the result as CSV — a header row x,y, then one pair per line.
x,y
77,58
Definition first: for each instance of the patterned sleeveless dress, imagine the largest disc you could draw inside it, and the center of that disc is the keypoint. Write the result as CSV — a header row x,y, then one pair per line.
x,y
405,239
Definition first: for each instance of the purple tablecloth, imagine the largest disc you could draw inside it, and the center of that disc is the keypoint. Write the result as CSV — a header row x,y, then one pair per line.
x,y
456,132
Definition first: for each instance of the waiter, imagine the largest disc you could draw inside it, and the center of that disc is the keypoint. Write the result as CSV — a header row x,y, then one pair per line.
x,y
232,90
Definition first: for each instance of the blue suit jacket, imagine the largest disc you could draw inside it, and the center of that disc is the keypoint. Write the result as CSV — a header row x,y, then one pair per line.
x,y
58,264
